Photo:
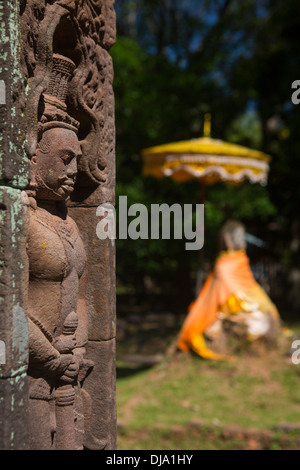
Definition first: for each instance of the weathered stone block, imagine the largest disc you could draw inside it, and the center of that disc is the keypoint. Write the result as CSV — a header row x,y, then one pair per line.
x,y
100,286
13,325
101,385
13,406
13,288
14,166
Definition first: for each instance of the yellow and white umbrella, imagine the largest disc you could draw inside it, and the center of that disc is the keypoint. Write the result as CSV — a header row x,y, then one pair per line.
x,y
209,160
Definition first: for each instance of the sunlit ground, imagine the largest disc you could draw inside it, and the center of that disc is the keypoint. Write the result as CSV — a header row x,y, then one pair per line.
x,y
185,403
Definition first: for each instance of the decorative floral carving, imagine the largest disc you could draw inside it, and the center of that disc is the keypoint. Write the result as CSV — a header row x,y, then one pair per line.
x,y
91,18
92,22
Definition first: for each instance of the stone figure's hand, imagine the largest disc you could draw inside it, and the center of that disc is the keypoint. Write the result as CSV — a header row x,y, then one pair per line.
x,y
71,371
58,365
65,344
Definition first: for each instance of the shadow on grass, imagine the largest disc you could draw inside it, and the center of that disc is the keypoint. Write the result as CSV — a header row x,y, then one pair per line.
x,y
123,372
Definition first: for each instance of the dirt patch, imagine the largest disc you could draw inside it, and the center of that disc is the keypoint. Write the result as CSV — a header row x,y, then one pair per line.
x,y
207,437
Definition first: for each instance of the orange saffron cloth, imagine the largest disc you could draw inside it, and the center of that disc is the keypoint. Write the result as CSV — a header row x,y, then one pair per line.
x,y
231,274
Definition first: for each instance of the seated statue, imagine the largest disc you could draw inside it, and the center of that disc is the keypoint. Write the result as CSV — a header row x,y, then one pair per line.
x,y
57,315
230,300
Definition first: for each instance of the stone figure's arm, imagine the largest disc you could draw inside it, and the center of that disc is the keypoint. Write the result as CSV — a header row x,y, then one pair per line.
x,y
46,358
40,348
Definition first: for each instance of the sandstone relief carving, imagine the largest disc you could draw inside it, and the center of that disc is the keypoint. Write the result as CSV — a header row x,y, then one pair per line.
x,y
58,294
82,30
57,315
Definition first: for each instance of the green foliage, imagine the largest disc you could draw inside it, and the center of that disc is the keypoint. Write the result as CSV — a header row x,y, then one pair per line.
x,y
173,62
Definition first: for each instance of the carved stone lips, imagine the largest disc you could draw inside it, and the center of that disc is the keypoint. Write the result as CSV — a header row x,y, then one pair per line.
x,y
68,183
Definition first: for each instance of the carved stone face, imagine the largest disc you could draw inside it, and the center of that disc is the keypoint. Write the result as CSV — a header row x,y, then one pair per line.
x,y
55,164
235,240
238,237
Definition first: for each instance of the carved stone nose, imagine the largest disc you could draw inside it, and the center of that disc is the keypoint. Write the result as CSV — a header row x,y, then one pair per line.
x,y
71,170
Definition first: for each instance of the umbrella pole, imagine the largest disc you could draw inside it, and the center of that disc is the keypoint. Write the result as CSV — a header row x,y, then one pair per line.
x,y
203,193
199,279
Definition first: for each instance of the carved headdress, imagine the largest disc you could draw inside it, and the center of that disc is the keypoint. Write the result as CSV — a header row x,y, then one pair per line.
x,y
54,113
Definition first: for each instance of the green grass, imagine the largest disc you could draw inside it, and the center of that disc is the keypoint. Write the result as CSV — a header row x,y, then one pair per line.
x,y
158,407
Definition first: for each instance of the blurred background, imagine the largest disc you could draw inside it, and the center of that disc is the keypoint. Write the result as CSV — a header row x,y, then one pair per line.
x,y
175,61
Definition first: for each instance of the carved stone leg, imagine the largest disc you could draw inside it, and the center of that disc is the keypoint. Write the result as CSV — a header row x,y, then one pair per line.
x,y
41,437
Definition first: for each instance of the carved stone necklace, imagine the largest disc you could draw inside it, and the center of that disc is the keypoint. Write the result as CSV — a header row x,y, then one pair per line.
x,y
63,227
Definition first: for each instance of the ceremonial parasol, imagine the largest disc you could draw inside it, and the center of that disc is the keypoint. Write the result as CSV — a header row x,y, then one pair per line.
x,y
206,159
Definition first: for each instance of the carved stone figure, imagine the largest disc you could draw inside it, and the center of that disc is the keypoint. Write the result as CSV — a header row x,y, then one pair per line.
x,y
231,304
58,142
232,236
56,296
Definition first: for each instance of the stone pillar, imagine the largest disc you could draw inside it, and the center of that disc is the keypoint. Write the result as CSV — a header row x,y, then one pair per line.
x,y
81,31
14,169
100,253
102,326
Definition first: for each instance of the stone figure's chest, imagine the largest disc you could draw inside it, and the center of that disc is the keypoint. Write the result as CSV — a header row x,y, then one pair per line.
x,y
54,248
